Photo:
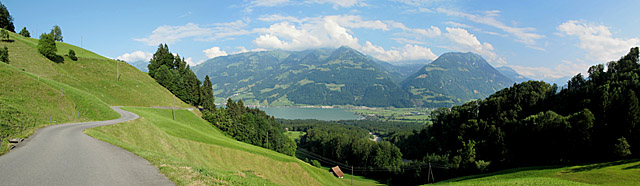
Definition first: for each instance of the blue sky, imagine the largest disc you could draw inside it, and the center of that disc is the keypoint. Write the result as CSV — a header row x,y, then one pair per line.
x,y
540,39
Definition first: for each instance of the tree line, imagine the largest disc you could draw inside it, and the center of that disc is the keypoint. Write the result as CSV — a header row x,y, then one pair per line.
x,y
251,125
173,73
534,123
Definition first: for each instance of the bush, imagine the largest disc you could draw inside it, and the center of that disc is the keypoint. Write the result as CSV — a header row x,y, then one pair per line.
x,y
482,165
4,54
72,55
315,163
4,35
622,149
47,46
24,32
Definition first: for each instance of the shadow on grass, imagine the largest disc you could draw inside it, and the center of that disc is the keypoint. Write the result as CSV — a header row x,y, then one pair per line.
x,y
603,165
637,166
508,171
57,59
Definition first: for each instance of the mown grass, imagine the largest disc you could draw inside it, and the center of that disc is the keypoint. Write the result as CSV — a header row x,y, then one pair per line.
x,y
190,151
295,135
114,82
28,102
624,172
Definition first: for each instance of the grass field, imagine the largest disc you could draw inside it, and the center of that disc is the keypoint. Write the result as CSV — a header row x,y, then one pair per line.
x,y
294,135
190,151
624,172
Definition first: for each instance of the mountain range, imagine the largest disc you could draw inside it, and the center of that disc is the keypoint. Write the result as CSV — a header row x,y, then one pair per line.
x,y
344,76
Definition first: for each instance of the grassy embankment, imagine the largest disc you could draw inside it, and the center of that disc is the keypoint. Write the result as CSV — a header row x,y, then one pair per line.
x,y
625,172
36,91
190,151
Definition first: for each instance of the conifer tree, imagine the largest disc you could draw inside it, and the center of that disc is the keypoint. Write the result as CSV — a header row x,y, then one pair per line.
x,y
6,21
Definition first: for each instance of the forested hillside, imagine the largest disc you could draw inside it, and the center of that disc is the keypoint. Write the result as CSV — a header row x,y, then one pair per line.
x,y
533,123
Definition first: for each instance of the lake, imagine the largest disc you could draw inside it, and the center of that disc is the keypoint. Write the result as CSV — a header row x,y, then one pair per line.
x,y
327,114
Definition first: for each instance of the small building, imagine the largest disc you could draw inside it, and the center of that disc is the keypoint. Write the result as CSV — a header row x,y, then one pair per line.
x,y
337,172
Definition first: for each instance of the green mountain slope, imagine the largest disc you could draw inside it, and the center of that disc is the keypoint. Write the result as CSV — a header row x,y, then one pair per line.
x,y
314,77
455,78
92,73
190,151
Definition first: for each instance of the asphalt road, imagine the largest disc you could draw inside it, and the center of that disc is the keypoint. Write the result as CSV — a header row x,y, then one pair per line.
x,y
64,155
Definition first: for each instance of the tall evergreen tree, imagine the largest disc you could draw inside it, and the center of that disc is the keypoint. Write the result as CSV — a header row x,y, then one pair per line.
x,y
161,57
206,95
6,21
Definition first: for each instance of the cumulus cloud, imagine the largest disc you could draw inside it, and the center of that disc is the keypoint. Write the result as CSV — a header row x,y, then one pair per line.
x,y
171,34
135,56
407,52
335,31
524,35
214,52
597,40
462,40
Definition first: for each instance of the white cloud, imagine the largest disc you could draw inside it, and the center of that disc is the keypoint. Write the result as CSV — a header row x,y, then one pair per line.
x,y
407,52
243,50
171,34
214,52
597,40
268,3
524,35
408,41
565,69
338,3
135,56
355,21
335,31
462,40
190,62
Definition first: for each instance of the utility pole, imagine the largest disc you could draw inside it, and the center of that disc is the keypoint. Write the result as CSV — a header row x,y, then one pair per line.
x,y
267,151
351,175
173,112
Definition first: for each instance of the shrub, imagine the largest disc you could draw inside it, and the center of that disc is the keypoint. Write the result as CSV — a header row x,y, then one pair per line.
x,y
315,163
4,54
482,165
47,46
72,55
24,32
4,35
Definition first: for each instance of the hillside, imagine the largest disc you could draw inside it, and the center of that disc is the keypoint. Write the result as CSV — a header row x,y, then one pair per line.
x,y
340,76
512,74
38,92
455,78
623,172
92,73
190,151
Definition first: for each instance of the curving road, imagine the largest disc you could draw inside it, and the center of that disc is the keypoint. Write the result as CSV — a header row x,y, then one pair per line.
x,y
64,155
